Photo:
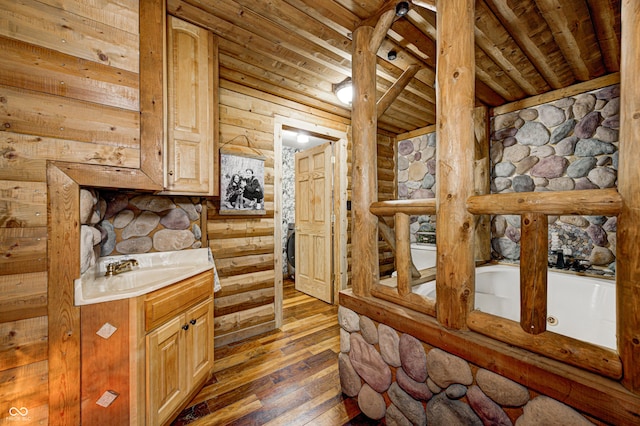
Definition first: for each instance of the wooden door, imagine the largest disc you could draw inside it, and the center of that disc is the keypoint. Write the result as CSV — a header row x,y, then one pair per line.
x,y
165,370
314,181
199,347
189,97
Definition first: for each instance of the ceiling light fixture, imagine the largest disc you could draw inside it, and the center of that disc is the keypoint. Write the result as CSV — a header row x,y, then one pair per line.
x,y
302,138
392,55
402,9
344,91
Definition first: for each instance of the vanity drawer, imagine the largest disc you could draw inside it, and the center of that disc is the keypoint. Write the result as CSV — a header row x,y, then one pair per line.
x,y
163,304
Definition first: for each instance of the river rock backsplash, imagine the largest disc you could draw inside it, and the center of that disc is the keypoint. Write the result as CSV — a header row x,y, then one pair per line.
x,y
116,223
569,144
397,378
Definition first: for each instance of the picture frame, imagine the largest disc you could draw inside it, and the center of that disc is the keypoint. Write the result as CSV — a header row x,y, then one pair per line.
x,y
241,181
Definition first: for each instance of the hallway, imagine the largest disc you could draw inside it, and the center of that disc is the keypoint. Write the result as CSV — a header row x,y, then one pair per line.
x,y
286,377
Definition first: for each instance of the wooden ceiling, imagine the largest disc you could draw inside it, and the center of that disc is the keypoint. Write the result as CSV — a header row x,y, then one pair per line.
x,y
298,49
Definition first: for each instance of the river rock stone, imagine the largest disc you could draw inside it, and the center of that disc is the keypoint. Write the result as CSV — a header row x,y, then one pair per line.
x,y
561,184
498,226
403,163
550,167
348,319
197,232
413,357
446,369
428,153
418,390
109,243
593,147
513,234
87,205
505,120
502,390
501,183
551,116
490,412
444,411
371,403
116,202
349,380
598,235
578,221
528,114
504,133
608,92
135,245
604,160
188,206
496,151
581,167
604,177
606,135
614,160
431,166
176,219
540,182
510,141
523,183
394,417
433,387
417,156
345,341
87,256
456,391
513,220
389,343
546,411
584,183
142,225
612,122
566,146
412,409
504,169
562,131
526,164
585,103
170,240
611,225
123,218
153,203
533,133
506,248
564,102
428,181
405,147
587,126
515,153
543,151
611,108
369,330
601,256
369,364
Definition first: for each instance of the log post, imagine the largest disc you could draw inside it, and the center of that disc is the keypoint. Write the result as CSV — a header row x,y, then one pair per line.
x,y
533,272
455,278
403,254
482,182
628,263
364,176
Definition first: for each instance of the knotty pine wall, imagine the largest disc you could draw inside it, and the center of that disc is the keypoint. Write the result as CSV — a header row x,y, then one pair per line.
x,y
69,90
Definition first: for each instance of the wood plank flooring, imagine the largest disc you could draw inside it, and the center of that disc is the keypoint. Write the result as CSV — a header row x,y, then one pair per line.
x,y
286,377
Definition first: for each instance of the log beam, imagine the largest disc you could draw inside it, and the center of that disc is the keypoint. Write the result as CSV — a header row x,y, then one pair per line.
x,y
394,91
455,280
627,265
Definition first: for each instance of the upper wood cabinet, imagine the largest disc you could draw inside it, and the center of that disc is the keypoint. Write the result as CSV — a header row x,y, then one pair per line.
x,y
191,155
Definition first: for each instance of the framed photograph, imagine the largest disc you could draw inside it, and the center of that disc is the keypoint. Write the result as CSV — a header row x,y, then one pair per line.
x,y
241,181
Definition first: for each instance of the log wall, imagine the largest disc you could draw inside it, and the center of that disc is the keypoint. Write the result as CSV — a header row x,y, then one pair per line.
x,y
69,90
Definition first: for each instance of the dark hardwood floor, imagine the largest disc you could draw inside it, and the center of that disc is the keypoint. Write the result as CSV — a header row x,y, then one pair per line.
x,y
286,377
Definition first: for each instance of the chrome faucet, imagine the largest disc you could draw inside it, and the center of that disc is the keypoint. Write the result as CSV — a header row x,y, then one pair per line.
x,y
116,268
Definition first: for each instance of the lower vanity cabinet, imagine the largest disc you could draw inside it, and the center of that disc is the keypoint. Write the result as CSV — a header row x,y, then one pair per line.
x,y
147,356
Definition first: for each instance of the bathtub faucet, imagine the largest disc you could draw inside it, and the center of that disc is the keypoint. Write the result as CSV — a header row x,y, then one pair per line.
x,y
116,268
559,259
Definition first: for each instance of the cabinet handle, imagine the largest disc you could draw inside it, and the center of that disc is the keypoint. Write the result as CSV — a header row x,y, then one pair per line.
x,y
185,327
193,321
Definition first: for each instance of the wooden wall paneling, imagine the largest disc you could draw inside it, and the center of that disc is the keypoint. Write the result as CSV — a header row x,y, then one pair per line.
x,y
121,14
235,322
23,204
455,156
23,296
628,235
64,318
23,342
26,390
40,114
253,227
23,250
26,155
56,29
32,67
242,302
244,283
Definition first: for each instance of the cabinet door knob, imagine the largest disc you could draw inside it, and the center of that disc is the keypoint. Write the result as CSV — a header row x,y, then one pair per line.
x,y
193,321
185,327
170,173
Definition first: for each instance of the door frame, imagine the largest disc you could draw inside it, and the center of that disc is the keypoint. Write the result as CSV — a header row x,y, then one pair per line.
x,y
339,205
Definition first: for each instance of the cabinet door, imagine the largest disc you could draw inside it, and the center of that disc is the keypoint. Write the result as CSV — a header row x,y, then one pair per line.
x,y
166,381
199,342
190,122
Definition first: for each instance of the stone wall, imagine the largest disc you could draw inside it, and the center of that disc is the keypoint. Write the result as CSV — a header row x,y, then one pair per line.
x,y
396,377
288,198
127,223
568,144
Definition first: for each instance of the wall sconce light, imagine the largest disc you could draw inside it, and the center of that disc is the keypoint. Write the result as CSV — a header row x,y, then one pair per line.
x,y
344,91
402,9
392,55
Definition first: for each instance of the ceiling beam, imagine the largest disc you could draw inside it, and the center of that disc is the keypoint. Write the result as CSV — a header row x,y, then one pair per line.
x,y
387,99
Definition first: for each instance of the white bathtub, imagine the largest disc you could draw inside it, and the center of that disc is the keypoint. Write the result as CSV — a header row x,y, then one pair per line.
x,y
423,256
580,307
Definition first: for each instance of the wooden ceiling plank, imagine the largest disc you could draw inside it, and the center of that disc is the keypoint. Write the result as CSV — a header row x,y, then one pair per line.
x,y
523,21
387,99
572,29
606,19
332,14
495,77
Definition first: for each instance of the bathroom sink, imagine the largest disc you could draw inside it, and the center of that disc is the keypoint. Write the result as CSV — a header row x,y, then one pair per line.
x,y
152,272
